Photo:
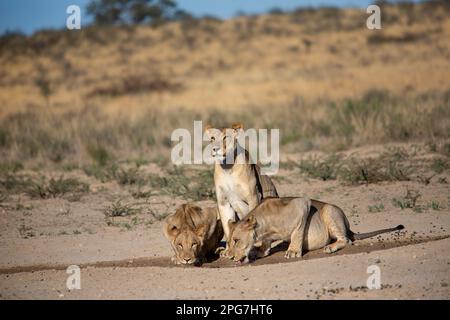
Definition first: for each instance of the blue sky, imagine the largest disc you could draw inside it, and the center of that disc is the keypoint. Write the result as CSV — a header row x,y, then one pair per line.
x,y
31,15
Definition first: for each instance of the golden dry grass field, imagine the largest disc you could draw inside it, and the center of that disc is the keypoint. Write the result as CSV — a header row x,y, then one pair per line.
x,y
85,124
319,74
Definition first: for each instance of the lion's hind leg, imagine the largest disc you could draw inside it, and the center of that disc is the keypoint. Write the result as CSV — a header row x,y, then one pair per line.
x,y
337,226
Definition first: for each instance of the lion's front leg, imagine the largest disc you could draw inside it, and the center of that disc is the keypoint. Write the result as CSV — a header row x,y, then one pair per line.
x,y
226,213
223,251
252,202
241,208
296,246
263,250
297,236
252,199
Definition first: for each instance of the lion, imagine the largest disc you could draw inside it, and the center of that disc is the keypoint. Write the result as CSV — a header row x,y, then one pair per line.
x,y
240,186
194,233
306,224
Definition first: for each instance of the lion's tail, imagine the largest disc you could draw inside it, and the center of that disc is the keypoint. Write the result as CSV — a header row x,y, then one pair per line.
x,y
361,236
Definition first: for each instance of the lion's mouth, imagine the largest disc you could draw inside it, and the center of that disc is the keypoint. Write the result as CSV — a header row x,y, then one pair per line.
x,y
240,260
188,262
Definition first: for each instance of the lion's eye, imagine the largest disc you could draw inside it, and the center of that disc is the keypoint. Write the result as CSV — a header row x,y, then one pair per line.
x,y
180,246
213,138
236,241
194,245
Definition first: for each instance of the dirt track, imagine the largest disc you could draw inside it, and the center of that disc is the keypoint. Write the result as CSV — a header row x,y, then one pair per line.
x,y
413,265
413,271
276,257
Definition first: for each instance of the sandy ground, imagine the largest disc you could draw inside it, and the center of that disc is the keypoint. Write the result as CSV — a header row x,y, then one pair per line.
x,y
40,238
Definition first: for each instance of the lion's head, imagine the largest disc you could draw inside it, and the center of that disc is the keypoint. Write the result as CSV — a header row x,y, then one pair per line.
x,y
186,231
187,246
223,142
242,238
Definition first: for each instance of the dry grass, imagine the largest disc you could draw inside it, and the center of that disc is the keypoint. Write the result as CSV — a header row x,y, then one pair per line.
x,y
93,98
269,60
93,140
41,187
393,164
119,209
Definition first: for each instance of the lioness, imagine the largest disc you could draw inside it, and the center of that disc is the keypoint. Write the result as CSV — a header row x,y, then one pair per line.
x,y
307,224
240,186
193,233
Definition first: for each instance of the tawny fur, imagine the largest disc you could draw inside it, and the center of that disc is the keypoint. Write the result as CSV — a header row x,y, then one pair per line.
x,y
240,186
193,233
305,224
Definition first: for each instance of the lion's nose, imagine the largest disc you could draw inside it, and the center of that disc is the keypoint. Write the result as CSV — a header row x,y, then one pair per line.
x,y
187,259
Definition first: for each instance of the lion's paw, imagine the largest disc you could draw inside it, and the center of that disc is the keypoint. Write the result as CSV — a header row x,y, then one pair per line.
x,y
329,249
222,252
290,254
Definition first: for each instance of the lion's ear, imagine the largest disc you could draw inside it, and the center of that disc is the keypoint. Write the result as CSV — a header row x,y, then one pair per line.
x,y
237,126
250,222
210,132
231,224
191,209
237,129
171,230
200,231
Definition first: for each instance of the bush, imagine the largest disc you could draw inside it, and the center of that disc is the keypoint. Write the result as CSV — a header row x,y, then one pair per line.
x,y
112,12
53,188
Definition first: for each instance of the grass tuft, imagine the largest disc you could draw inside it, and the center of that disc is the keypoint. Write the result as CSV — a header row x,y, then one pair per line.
x,y
409,201
119,209
386,167
60,187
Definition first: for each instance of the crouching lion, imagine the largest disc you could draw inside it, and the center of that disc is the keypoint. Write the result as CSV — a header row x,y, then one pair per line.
x,y
307,224
193,233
